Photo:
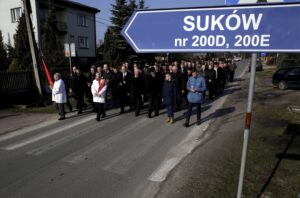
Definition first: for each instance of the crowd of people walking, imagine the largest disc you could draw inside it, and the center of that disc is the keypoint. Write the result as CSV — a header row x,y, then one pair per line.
x,y
175,86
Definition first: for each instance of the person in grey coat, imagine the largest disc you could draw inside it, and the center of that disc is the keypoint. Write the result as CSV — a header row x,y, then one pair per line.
x,y
196,86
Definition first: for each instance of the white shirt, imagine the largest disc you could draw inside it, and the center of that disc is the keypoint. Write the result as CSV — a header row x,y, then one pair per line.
x,y
101,95
59,92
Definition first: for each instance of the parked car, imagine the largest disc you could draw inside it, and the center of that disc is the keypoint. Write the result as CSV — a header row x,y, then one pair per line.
x,y
287,78
259,65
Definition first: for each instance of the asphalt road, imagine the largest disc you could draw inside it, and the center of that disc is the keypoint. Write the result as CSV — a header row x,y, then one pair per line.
x,y
121,156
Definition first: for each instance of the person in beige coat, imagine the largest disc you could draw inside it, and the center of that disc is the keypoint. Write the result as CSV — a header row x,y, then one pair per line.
x,y
98,90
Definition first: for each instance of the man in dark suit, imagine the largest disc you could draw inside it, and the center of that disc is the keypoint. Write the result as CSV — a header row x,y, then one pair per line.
x,y
137,90
154,88
176,76
210,76
79,87
124,88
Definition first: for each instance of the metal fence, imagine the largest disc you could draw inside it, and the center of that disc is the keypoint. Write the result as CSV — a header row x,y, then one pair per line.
x,y
16,82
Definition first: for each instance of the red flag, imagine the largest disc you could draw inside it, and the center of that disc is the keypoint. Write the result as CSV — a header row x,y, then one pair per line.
x,y
48,74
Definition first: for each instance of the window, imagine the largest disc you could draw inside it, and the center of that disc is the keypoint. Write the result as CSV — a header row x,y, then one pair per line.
x,y
83,42
16,13
81,20
293,72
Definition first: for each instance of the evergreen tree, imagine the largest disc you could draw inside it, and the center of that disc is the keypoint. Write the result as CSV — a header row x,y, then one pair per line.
x,y
51,46
10,51
119,49
22,48
109,49
142,4
3,55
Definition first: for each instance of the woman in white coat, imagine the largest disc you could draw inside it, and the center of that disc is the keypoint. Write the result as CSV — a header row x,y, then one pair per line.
x,y
59,95
98,89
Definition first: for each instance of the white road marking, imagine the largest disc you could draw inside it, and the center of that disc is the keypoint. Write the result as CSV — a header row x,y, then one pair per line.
x,y
68,138
124,162
186,146
36,138
178,153
26,130
161,173
81,155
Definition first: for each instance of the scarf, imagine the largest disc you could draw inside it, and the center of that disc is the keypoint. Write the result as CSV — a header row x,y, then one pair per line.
x,y
101,85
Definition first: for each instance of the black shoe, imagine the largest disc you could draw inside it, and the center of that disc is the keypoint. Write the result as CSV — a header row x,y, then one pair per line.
x,y
137,114
70,110
121,112
79,112
61,118
98,119
149,116
103,116
198,122
186,125
156,114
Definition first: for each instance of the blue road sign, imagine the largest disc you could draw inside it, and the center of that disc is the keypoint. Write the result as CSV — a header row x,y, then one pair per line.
x,y
234,2
263,54
250,28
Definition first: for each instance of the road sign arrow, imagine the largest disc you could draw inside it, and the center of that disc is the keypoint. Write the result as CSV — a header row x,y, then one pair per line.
x,y
247,28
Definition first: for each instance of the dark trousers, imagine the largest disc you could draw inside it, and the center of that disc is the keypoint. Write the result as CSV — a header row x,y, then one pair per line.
x,y
68,102
80,101
114,94
123,100
99,109
211,90
61,109
136,101
178,101
190,109
221,86
170,109
153,105
231,76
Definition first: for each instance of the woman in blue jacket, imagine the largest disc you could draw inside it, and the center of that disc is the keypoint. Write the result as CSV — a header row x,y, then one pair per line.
x,y
196,86
169,97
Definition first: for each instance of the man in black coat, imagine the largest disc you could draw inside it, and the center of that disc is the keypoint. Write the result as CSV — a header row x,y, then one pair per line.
x,y
124,88
90,79
114,86
79,87
154,89
210,76
176,76
185,79
137,89
107,76
221,78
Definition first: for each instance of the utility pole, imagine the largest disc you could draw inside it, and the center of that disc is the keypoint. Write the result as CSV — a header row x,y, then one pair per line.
x,y
32,49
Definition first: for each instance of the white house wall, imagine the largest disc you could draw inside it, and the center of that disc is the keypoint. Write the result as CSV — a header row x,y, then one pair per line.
x,y
77,31
7,27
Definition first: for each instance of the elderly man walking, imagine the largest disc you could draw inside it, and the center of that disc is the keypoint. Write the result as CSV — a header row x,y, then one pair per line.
x,y
59,95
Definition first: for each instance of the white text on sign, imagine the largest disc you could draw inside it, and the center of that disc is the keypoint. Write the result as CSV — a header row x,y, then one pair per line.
x,y
232,22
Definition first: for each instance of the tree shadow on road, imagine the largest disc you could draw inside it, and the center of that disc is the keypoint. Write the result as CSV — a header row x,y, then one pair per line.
x,y
294,131
218,113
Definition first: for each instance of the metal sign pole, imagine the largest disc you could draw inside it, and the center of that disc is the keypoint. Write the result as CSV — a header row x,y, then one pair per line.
x,y
247,124
32,49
